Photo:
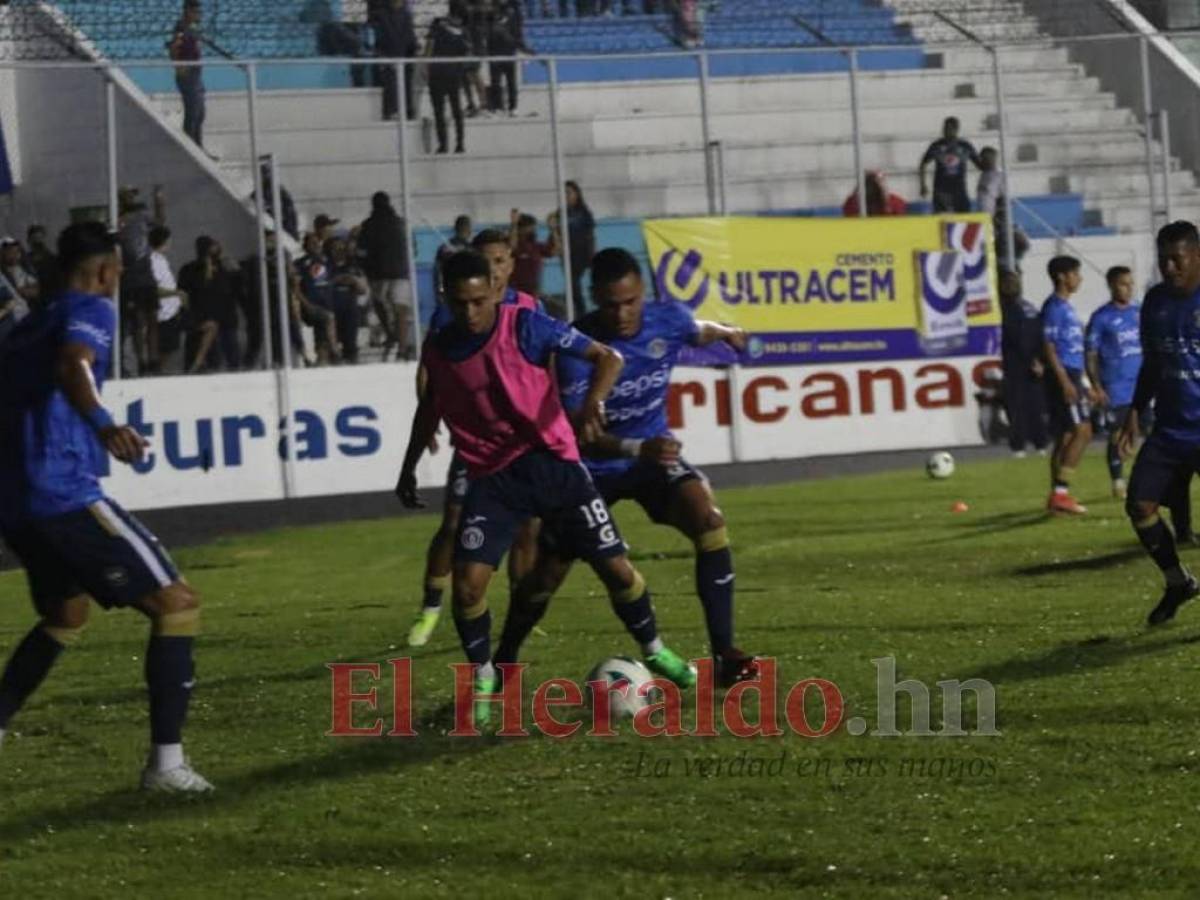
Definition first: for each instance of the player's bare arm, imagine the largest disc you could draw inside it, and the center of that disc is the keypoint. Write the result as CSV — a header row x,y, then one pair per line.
x,y
74,374
424,427
662,451
1147,387
715,332
606,369
1099,395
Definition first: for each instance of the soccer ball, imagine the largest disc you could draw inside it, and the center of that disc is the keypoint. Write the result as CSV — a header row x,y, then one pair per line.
x,y
940,465
615,671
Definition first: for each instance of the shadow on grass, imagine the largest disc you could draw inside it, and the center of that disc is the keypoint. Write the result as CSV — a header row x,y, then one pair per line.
x,y
1086,564
1099,652
997,524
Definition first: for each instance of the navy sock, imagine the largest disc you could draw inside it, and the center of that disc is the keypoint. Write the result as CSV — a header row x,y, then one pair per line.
x,y
433,597
169,678
638,618
1181,511
1160,544
523,615
476,637
1116,468
26,669
714,584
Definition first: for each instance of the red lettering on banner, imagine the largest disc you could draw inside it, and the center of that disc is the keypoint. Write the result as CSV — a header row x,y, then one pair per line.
x,y
667,707
724,406
817,405
939,394
988,370
402,698
344,697
866,388
751,400
570,695
676,394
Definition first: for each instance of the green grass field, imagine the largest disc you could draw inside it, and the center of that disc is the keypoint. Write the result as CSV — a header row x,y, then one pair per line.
x,y
1090,788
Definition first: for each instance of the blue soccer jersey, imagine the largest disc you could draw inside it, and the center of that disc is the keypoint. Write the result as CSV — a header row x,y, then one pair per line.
x,y
1171,343
1114,334
637,406
52,459
1062,328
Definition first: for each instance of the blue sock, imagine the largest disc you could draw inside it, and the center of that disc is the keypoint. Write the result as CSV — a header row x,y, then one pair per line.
x,y
169,678
523,615
26,669
714,584
638,618
476,637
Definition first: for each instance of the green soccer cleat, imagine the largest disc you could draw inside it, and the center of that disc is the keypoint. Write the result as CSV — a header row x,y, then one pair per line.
x,y
422,629
482,713
673,667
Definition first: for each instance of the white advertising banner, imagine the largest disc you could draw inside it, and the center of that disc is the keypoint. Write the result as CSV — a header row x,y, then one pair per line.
x,y
217,439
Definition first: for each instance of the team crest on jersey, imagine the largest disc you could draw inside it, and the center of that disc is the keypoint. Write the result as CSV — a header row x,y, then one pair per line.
x,y
116,576
472,538
657,348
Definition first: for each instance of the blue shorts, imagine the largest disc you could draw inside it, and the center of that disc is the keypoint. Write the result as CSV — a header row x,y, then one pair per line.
x,y
652,486
1065,416
1163,467
456,481
100,550
537,485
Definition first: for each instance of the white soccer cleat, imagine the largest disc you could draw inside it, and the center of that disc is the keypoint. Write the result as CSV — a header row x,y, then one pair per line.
x,y
180,780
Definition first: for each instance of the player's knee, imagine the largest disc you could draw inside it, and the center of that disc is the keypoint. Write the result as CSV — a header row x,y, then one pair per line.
x,y
470,601
1143,513
65,624
710,533
175,611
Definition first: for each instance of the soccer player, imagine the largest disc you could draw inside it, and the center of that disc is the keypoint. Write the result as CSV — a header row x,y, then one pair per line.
x,y
1114,357
495,247
489,380
637,458
1170,340
72,540
1067,397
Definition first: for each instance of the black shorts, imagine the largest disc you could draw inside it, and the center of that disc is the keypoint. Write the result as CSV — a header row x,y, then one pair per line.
x,y
1162,466
456,481
1066,416
651,486
1113,417
101,550
537,485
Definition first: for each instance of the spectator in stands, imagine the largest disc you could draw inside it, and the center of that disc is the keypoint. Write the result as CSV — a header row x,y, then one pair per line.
x,y
315,301
139,293
993,186
581,240
506,38
39,258
396,38
448,39
323,227
383,250
529,254
19,277
349,288
686,17
336,38
251,301
189,79
1021,357
291,222
171,300
950,155
880,201
460,240
212,290
479,26
13,306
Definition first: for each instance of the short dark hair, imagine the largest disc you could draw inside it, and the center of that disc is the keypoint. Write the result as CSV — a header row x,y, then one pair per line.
x,y
1062,265
489,236
612,264
463,221
991,150
82,241
1116,272
1178,231
35,228
524,220
951,120
158,236
463,266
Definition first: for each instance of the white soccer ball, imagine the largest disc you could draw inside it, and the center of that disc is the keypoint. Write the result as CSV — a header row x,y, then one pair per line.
x,y
618,671
940,465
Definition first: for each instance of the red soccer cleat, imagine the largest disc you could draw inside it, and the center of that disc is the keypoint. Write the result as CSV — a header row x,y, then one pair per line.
x,y
1065,504
733,666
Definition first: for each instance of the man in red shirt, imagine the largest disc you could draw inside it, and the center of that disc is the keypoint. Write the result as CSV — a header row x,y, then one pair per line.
x,y
529,254
880,201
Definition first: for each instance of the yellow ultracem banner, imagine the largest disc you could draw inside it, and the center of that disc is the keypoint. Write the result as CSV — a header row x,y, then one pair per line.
x,y
836,290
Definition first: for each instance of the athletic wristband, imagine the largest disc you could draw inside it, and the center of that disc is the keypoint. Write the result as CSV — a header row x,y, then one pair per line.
x,y
631,447
99,418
